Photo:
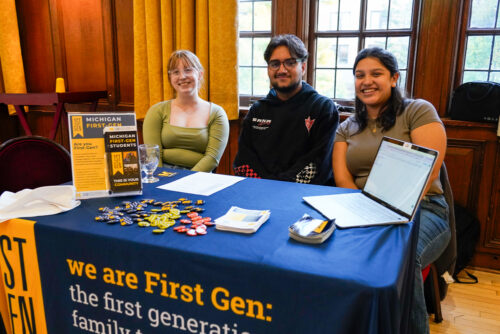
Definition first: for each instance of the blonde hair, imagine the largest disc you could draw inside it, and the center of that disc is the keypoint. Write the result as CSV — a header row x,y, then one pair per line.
x,y
189,59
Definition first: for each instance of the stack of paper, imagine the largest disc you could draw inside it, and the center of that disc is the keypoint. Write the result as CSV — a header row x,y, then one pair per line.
x,y
310,230
202,183
242,220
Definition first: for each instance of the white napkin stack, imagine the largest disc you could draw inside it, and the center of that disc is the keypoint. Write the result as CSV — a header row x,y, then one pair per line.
x,y
41,201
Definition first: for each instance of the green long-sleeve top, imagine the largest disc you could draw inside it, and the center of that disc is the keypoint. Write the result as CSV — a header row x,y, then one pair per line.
x,y
199,149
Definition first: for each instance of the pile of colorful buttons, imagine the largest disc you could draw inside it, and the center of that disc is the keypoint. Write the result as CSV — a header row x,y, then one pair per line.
x,y
197,224
161,217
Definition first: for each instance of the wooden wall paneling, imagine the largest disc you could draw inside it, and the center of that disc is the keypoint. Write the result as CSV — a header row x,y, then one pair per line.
x,y
485,200
302,30
110,57
477,144
291,17
489,260
464,180
35,30
83,31
125,52
57,33
236,126
436,51
285,17
36,45
226,162
493,221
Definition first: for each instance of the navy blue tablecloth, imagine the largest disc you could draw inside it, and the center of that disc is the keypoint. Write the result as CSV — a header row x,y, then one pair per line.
x,y
358,281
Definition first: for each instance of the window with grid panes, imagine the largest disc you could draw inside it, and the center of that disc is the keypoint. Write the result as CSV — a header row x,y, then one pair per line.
x,y
344,27
254,35
482,42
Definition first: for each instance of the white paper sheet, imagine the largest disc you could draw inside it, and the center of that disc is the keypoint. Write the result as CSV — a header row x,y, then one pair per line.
x,y
201,183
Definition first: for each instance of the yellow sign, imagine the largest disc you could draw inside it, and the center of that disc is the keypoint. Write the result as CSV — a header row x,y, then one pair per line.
x,y
77,126
89,165
21,298
88,151
117,162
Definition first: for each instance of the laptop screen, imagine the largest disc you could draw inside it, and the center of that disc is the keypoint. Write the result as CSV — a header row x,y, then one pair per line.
x,y
399,174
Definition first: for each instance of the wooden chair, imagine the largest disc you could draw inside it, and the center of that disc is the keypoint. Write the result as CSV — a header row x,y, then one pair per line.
x,y
435,286
31,162
432,290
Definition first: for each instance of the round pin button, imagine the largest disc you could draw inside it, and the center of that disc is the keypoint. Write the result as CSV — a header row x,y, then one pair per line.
x,y
201,231
158,231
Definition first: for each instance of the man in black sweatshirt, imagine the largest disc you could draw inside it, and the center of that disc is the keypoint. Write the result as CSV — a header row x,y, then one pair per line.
x,y
289,134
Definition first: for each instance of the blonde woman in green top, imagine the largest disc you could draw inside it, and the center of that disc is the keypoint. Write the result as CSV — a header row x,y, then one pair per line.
x,y
191,132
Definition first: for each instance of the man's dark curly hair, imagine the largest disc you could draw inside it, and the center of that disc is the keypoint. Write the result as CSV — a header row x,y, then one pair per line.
x,y
293,43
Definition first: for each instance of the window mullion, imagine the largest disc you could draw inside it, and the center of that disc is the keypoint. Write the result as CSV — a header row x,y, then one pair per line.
x,y
336,67
362,23
496,14
491,55
387,24
388,16
338,20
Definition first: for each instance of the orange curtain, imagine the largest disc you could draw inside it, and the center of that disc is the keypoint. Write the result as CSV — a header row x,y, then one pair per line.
x,y
207,28
11,59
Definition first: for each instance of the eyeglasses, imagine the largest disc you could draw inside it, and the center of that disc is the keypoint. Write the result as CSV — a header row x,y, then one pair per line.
x,y
289,63
187,71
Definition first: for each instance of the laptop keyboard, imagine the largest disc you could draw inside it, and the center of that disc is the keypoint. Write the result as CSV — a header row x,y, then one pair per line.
x,y
365,207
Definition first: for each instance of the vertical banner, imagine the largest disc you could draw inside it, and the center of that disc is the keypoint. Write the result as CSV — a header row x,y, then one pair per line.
x,y
21,298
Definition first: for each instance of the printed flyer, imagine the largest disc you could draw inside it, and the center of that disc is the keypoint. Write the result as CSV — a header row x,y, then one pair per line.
x,y
88,150
124,172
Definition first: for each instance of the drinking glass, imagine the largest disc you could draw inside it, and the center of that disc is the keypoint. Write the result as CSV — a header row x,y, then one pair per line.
x,y
149,155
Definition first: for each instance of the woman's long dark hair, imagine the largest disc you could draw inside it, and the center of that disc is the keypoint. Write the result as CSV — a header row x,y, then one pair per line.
x,y
396,103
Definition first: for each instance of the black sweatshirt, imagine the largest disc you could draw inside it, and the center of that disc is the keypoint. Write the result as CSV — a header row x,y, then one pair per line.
x,y
289,140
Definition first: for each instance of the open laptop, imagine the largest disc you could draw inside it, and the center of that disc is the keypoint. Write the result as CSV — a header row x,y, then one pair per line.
x,y
392,191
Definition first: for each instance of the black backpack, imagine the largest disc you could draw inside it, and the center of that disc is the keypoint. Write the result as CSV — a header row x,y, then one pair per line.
x,y
468,229
476,101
